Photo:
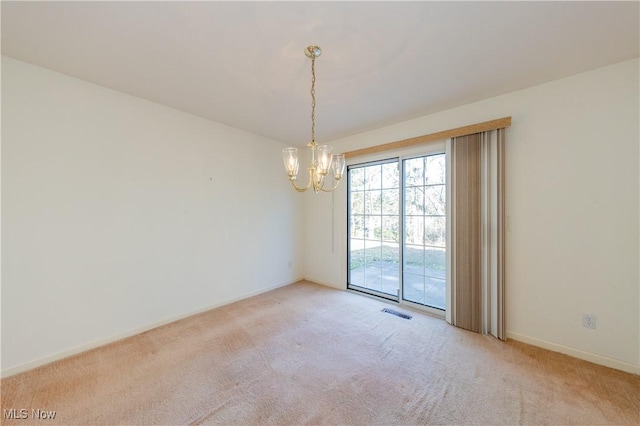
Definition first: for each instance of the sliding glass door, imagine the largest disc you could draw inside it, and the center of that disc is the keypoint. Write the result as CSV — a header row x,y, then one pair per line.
x,y
425,231
397,229
374,228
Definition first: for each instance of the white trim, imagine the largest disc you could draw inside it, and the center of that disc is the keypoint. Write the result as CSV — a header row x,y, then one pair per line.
x,y
577,353
86,347
324,283
373,296
417,307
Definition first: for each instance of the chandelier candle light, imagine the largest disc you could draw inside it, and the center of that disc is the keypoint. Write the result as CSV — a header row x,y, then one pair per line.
x,y
321,159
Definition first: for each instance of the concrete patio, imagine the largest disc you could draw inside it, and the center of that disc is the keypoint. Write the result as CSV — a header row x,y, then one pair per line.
x,y
421,285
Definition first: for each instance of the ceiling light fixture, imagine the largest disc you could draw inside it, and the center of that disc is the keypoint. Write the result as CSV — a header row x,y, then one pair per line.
x,y
322,162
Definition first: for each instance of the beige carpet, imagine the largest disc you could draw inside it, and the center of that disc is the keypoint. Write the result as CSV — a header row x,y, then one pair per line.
x,y
307,354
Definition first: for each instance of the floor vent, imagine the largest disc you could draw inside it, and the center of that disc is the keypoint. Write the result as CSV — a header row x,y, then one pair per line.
x,y
396,313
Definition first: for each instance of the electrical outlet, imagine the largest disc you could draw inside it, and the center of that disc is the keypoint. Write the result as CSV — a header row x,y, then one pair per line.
x,y
589,321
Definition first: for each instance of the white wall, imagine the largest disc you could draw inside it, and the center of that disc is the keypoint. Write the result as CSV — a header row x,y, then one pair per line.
x,y
572,199
120,214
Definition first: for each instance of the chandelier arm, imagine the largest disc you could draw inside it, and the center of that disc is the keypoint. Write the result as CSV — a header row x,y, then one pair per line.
x,y
297,188
303,188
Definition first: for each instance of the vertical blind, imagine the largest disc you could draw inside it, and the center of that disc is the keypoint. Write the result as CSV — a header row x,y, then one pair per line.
x,y
477,232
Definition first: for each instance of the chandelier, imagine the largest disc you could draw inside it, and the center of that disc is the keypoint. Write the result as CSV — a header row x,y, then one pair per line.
x,y
322,162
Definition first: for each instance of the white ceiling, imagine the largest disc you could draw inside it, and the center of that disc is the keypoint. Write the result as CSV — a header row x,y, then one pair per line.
x,y
243,63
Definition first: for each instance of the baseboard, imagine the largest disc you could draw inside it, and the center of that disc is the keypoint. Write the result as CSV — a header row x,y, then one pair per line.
x,y
577,353
324,283
95,344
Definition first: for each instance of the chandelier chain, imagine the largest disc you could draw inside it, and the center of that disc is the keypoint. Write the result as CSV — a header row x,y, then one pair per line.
x,y
313,99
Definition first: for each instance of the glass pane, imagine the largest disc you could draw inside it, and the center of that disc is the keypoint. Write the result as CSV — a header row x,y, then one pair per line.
x,y
390,256
357,203
367,202
435,231
414,230
390,202
435,169
372,177
373,265
424,253
390,228
373,228
435,263
356,179
434,200
414,201
413,288
375,198
373,244
356,253
389,281
372,277
356,276
434,292
390,175
414,259
414,172
356,227
373,254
